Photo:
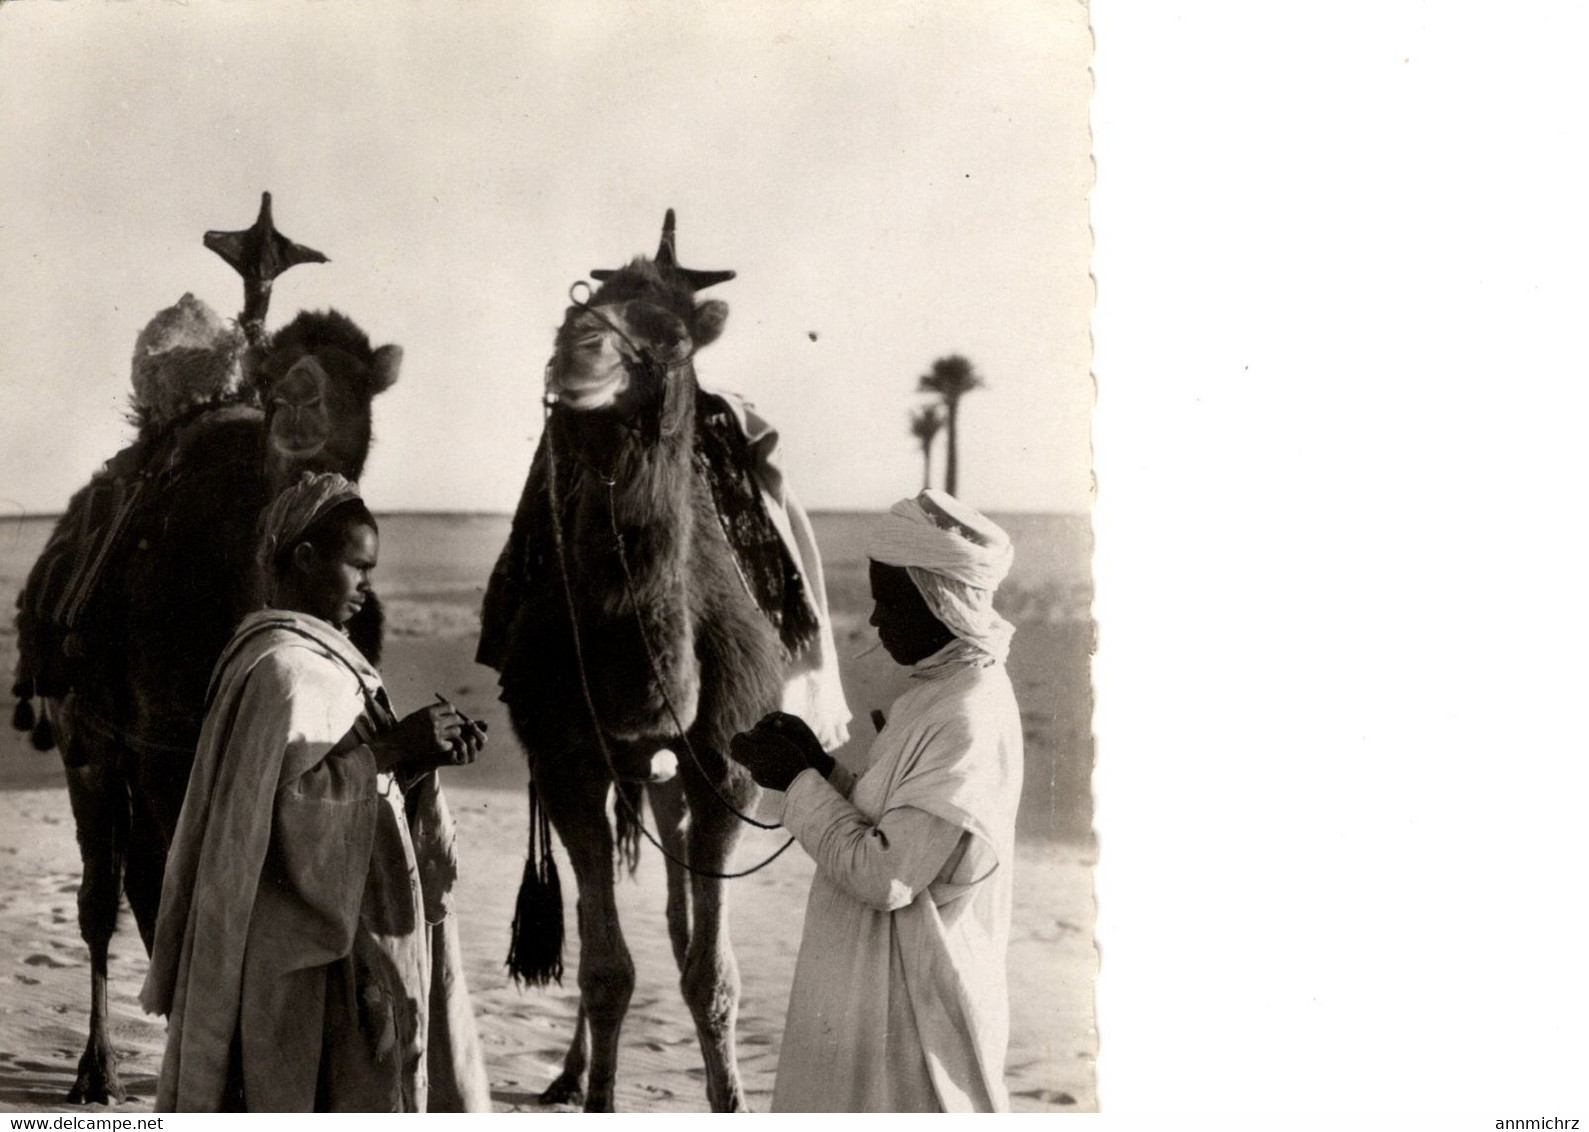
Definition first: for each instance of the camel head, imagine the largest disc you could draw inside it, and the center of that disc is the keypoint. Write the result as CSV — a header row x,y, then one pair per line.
x,y
625,347
316,378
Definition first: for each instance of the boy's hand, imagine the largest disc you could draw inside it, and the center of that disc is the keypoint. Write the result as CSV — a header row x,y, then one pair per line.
x,y
777,749
435,735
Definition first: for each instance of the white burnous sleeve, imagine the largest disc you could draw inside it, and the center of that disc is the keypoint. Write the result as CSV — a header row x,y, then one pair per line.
x,y
885,865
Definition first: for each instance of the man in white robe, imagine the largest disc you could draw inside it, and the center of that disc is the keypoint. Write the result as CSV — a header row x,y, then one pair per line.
x,y
900,998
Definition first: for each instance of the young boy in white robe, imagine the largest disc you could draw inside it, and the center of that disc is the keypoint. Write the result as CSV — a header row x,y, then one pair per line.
x,y
900,999
305,948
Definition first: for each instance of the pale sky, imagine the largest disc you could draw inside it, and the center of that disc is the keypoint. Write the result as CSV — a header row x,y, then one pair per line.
x,y
903,180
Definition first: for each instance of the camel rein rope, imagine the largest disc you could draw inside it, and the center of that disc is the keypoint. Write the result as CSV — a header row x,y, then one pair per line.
x,y
584,681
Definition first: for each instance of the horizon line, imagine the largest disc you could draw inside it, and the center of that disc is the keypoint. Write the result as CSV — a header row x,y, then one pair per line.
x,y
470,513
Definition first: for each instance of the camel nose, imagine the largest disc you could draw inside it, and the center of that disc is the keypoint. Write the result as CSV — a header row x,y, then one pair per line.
x,y
303,382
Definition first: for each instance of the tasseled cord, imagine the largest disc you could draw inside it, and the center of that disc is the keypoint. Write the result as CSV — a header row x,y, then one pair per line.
x,y
631,795
535,953
43,736
24,718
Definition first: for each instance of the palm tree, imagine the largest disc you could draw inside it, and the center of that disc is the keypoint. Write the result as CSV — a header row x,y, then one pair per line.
x,y
951,378
924,426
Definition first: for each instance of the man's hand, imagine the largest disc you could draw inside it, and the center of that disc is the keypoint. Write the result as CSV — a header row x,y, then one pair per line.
x,y
435,735
777,749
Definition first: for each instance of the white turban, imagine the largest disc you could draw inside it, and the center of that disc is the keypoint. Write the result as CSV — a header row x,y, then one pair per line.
x,y
295,510
957,557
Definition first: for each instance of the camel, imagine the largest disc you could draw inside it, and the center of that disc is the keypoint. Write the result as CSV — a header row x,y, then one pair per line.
x,y
180,577
620,599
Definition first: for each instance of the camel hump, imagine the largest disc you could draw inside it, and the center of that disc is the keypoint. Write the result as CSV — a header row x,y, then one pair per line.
x,y
57,603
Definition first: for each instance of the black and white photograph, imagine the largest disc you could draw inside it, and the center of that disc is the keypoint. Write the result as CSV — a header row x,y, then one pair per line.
x,y
791,555
547,557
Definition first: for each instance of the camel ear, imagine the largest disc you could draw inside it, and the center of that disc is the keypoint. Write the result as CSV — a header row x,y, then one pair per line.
x,y
383,374
710,318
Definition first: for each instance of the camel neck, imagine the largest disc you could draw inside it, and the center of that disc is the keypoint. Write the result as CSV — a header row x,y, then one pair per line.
x,y
642,490
650,474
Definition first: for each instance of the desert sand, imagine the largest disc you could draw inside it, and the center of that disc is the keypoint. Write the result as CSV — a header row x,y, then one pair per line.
x,y
431,572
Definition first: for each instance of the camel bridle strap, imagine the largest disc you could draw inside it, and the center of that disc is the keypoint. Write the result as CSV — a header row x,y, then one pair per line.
x,y
640,351
584,681
646,421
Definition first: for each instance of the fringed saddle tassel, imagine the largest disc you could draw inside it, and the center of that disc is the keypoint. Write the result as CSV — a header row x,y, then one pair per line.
x,y
630,797
535,953
25,718
22,717
43,736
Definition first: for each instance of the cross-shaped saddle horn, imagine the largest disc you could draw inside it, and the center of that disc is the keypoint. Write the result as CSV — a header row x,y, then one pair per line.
x,y
259,253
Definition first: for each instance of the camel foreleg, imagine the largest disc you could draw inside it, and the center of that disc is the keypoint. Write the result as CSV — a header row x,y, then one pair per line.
x,y
667,806
576,803
145,870
710,975
99,800
569,1086
156,786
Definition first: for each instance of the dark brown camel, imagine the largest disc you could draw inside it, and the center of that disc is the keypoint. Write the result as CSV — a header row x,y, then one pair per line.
x,y
183,575
679,643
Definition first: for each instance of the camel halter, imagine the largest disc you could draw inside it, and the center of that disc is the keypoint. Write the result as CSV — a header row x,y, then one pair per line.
x,y
584,683
646,421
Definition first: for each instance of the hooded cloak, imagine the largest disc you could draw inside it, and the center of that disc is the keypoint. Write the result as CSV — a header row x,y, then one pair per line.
x,y
305,949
